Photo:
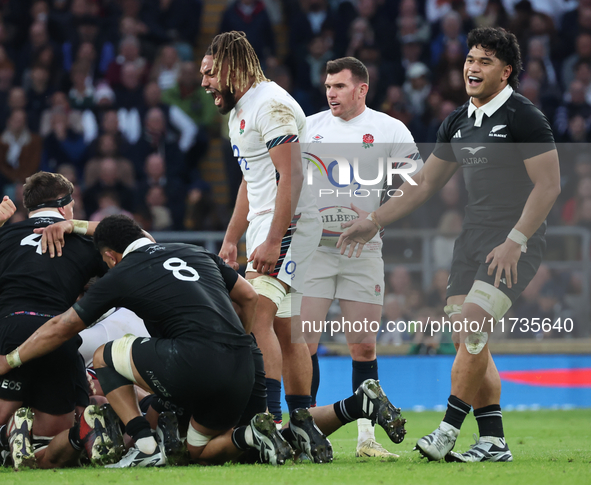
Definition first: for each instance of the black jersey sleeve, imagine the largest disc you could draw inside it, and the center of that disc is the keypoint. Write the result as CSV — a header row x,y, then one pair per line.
x,y
531,130
443,149
102,296
228,274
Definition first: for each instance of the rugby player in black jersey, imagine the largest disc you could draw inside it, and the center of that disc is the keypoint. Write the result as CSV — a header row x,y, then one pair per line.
x,y
33,288
506,148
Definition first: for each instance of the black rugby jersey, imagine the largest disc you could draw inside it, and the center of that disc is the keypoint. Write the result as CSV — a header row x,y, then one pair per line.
x,y
33,282
179,290
492,157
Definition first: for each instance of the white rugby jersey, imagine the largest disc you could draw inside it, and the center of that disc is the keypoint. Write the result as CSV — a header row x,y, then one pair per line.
x,y
368,137
266,112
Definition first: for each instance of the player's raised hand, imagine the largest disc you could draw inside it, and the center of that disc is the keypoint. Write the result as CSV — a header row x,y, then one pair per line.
x,y
229,253
7,209
264,257
53,237
503,259
359,232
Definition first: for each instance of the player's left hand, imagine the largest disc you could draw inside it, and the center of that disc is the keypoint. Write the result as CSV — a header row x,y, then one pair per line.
x,y
53,237
264,257
504,259
7,209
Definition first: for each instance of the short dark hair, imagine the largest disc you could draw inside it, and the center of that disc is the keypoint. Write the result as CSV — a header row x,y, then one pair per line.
x,y
116,233
43,187
504,45
357,68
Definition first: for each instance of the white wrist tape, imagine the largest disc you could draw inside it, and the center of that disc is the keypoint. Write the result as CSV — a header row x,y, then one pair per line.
x,y
519,238
14,359
372,217
80,227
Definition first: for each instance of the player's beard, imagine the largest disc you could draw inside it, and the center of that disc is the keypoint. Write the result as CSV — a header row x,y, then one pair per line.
x,y
228,101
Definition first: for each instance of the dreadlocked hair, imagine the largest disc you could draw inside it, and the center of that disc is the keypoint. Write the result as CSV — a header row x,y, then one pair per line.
x,y
243,63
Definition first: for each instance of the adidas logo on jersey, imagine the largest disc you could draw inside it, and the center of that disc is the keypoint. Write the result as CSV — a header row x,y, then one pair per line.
x,y
458,134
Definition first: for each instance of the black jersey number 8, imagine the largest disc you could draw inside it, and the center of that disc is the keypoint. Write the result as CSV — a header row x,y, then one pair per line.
x,y
177,265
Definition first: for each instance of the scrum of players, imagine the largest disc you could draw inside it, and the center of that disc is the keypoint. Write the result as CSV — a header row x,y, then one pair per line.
x,y
116,406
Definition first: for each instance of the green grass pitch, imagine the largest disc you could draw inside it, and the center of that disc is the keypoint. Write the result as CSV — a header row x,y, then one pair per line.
x,y
549,447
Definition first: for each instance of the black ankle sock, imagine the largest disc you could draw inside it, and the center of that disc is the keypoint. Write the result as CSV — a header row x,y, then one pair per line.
x,y
457,410
74,437
363,371
138,428
288,435
4,437
239,438
295,401
490,421
315,378
274,398
348,410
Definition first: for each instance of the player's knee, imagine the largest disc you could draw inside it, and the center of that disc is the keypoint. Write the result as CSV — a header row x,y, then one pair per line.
x,y
475,342
363,352
270,288
290,305
98,360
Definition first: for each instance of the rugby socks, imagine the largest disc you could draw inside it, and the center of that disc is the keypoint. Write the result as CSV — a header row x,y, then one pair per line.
x,y
490,421
295,401
74,437
139,430
315,378
456,412
274,399
242,438
361,372
348,410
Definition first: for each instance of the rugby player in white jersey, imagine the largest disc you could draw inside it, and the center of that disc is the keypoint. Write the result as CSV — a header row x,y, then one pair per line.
x,y
282,228
351,129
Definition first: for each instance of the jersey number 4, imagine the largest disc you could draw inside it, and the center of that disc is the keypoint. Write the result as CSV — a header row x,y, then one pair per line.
x,y
178,266
33,240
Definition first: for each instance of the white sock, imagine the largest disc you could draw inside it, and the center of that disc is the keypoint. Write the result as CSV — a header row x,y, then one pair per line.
x,y
248,436
365,430
146,445
446,427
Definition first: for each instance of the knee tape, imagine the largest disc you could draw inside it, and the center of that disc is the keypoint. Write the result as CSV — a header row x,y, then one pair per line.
x,y
492,300
452,310
475,342
195,438
290,305
121,356
269,287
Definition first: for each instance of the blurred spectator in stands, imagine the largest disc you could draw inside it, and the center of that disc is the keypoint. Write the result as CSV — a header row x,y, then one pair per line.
x,y
400,283
157,175
452,57
81,122
166,67
109,181
451,30
452,87
81,95
313,18
396,105
6,75
417,87
49,58
38,96
310,71
65,143
251,17
494,15
408,10
583,215
582,52
37,41
574,104
375,13
574,23
444,109
17,99
155,138
572,207
177,120
411,51
20,150
576,166
202,214
391,313
179,20
449,227
530,88
108,204
106,147
537,50
129,93
129,53
549,93
160,214
583,74
360,34
109,124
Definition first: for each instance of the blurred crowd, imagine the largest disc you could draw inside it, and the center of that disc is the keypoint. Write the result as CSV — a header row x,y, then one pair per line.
x,y
107,92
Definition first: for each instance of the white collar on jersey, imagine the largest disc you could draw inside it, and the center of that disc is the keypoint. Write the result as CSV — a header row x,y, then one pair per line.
x,y
491,107
138,243
55,214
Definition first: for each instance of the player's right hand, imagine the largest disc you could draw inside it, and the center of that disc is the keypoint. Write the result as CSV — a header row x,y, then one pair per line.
x,y
229,253
53,237
358,233
7,209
